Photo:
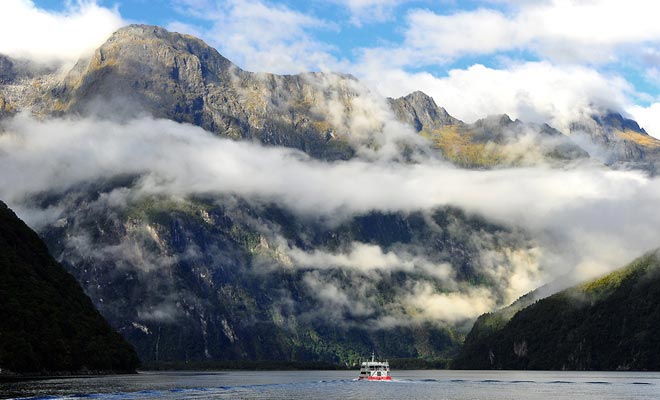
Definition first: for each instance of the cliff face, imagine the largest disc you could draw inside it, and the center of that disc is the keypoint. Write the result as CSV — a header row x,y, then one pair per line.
x,y
605,324
146,69
48,325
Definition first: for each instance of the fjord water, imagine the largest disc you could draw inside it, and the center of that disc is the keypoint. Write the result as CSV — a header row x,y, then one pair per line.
x,y
342,385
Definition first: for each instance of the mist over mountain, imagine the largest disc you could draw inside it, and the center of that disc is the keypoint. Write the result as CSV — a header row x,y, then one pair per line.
x,y
618,141
215,213
605,324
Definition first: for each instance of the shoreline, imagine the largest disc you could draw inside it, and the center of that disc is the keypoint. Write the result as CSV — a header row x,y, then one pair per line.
x,y
15,377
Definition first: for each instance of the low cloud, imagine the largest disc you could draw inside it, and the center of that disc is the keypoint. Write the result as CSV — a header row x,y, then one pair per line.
x,y
363,257
425,303
166,312
585,218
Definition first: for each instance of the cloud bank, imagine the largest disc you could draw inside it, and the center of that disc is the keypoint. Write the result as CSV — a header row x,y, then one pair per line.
x,y
587,219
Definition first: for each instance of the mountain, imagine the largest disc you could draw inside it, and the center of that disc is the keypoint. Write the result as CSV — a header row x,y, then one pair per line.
x,y
420,111
48,325
221,277
227,279
224,277
610,323
148,70
618,141
494,141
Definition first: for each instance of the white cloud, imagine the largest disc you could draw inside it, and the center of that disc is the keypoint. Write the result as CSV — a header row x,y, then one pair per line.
x,y
532,91
47,36
425,303
365,258
647,117
516,271
541,91
563,30
366,11
563,207
586,219
260,36
431,37
339,301
166,312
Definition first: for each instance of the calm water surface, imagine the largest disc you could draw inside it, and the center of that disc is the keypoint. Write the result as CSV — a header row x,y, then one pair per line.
x,y
341,385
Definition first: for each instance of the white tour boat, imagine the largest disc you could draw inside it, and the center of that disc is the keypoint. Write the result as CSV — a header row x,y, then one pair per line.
x,y
374,370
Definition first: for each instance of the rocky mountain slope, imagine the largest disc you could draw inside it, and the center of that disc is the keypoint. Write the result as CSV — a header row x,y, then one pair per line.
x,y
148,70
490,142
619,142
606,324
48,325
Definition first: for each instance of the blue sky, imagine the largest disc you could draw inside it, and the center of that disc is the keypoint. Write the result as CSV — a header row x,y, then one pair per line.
x,y
539,60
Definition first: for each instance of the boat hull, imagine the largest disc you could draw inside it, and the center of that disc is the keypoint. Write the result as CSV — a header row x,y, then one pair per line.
x,y
376,378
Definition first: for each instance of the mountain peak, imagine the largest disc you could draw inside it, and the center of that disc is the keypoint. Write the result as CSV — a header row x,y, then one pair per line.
x,y
614,120
148,69
143,30
501,120
421,111
156,48
160,36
